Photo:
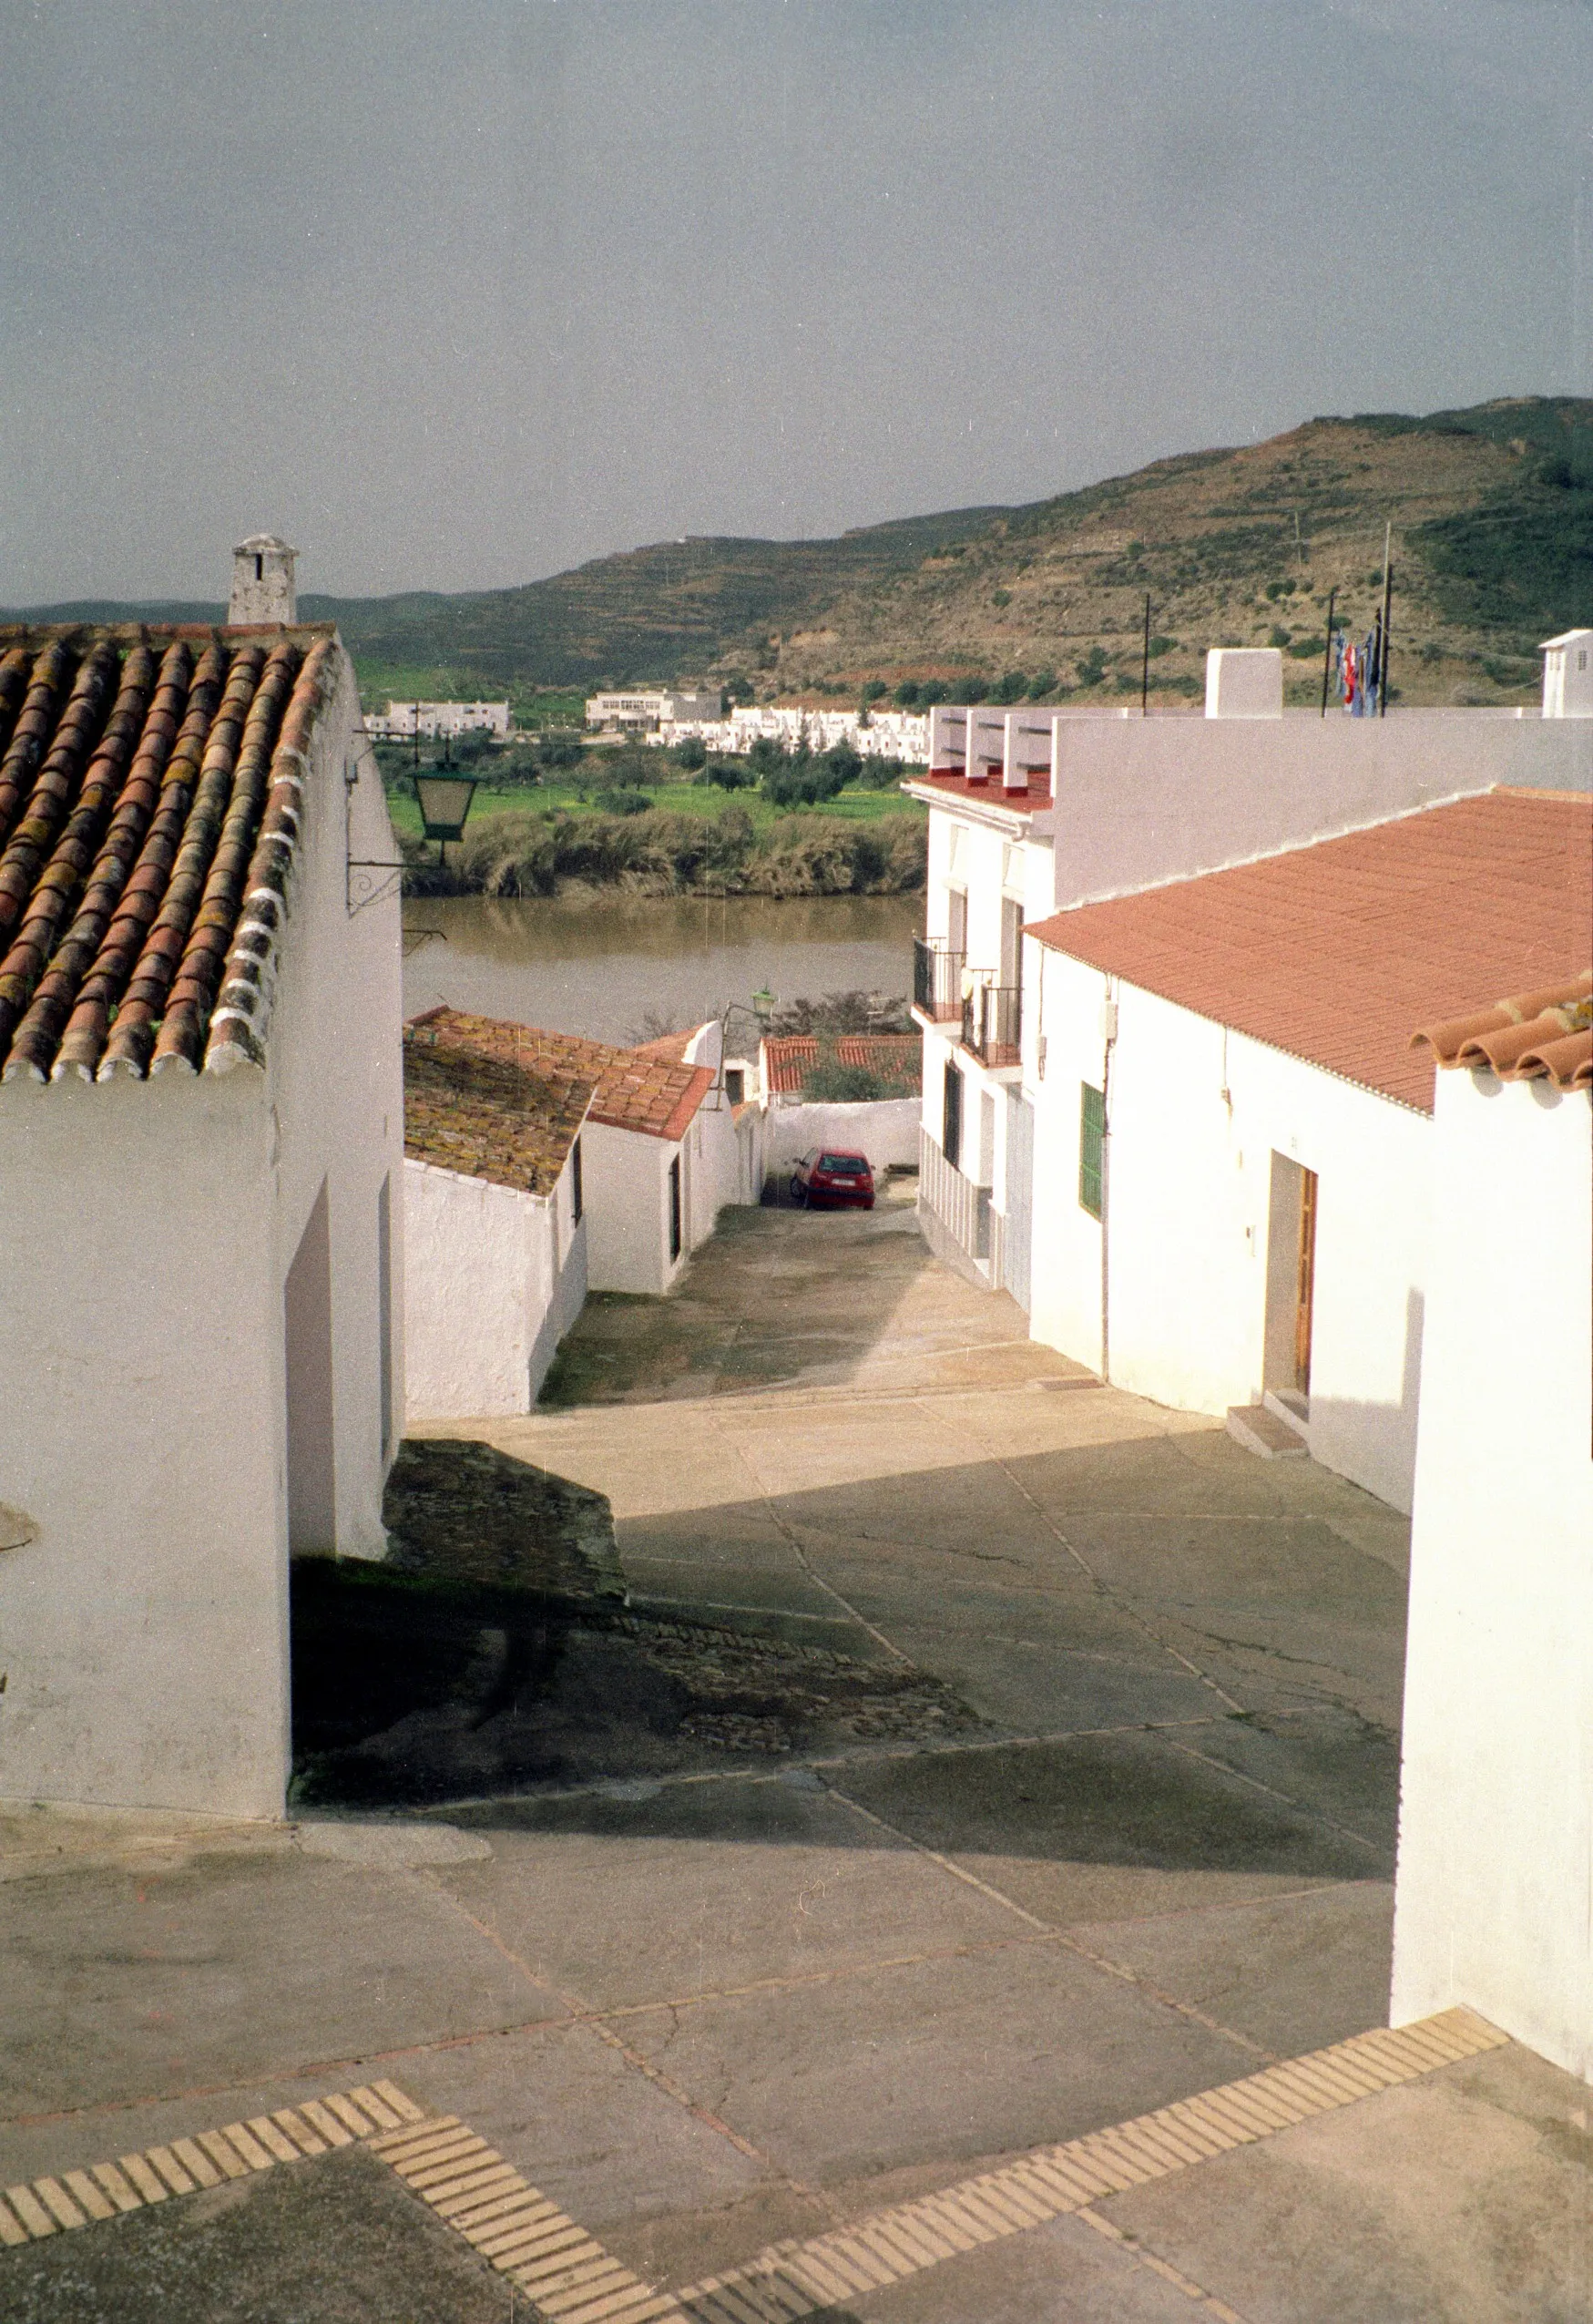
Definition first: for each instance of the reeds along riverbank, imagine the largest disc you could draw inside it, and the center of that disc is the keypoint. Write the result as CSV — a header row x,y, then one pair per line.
x,y
660,854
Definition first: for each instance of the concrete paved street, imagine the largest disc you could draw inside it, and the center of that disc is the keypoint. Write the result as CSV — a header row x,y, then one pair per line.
x,y
986,1757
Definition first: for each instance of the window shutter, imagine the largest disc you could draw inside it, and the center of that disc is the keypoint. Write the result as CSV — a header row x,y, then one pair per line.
x,y
1092,1130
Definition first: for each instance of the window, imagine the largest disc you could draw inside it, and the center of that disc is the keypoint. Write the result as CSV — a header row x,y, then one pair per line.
x,y
576,1203
951,1142
675,1208
735,1084
1092,1132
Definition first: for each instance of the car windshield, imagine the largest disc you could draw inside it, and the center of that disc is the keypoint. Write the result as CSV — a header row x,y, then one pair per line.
x,y
843,1165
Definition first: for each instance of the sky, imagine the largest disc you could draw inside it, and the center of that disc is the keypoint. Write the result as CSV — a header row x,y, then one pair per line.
x,y
457,293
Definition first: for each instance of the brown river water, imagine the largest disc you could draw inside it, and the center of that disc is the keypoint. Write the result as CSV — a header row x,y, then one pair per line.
x,y
602,964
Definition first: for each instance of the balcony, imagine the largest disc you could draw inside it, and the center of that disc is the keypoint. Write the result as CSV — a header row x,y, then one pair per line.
x,y
937,981
993,1024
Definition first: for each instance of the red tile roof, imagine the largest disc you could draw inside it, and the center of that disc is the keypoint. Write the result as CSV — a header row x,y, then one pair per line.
x,y
467,1108
1546,1034
149,784
634,1090
671,1046
1332,952
893,1059
948,784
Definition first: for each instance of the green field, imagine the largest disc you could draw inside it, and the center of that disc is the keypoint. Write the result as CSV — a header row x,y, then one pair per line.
x,y
703,799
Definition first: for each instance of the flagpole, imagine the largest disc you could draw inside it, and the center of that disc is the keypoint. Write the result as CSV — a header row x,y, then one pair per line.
x,y
1387,610
1327,651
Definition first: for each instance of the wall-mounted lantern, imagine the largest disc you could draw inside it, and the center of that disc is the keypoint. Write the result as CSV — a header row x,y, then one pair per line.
x,y
445,803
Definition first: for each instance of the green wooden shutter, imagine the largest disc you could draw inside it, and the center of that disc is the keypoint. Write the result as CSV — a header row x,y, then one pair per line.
x,y
1092,1130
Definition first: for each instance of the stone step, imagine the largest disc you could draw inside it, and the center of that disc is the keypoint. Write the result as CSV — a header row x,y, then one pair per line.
x,y
1260,1431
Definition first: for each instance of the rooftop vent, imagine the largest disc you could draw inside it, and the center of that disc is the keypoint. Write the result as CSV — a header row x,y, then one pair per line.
x,y
262,582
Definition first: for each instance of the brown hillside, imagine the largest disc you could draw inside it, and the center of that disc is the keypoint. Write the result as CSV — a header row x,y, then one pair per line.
x,y
1235,548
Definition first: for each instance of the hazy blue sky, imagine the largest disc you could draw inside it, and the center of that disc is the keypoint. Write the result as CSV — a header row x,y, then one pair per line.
x,y
458,292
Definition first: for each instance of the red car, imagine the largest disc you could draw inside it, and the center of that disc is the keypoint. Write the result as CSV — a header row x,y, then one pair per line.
x,y
826,1181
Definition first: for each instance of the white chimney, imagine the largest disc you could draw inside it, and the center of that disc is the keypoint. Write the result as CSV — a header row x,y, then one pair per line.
x,y
262,583
1244,681
1568,674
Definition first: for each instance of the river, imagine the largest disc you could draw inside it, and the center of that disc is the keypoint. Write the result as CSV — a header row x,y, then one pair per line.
x,y
604,966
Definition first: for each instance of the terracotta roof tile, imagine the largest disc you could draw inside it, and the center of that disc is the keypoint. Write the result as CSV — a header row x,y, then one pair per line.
x,y
788,1060
670,1047
634,1089
1332,952
893,1059
1545,1034
946,783
471,1110
150,782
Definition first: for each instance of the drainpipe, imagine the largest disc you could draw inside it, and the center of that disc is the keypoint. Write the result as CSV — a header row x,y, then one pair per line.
x,y
1110,1037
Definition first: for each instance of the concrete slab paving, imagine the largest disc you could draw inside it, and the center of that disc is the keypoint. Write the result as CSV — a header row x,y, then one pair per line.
x,y
745,1882
769,1936
129,1984
958,2059
1466,2198
1294,1972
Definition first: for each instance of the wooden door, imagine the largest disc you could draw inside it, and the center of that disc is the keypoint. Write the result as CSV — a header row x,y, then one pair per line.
x,y
1305,1282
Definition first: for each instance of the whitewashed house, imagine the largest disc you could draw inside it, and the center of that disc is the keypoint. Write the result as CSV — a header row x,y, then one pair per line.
x,y
1033,811
1492,1903
494,1225
1236,1136
659,1150
200,1139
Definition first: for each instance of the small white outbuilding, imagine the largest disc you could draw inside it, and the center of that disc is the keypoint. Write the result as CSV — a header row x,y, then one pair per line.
x,y
658,1151
200,1134
1495,1883
1568,674
494,1224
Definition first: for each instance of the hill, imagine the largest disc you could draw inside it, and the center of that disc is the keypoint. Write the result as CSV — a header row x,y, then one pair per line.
x,y
1492,517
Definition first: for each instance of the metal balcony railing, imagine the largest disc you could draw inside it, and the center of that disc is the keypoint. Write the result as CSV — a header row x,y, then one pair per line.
x,y
993,1023
937,980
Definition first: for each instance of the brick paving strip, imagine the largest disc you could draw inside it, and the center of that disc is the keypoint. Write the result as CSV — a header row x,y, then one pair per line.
x,y
794,2280
570,2279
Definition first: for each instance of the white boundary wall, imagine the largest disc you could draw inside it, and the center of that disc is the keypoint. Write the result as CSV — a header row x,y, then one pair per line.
x,y
1194,1116
884,1129
1495,1888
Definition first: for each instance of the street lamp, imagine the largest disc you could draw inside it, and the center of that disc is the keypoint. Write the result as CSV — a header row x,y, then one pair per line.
x,y
445,803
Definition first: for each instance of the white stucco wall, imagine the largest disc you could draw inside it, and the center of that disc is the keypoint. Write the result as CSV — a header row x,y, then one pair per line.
x,y
334,1073
1188,1217
1141,801
884,1129
144,1632
1495,1893
143,1373
494,1277
628,1214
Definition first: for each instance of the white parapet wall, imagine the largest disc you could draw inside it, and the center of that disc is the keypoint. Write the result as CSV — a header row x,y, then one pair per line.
x,y
1496,1849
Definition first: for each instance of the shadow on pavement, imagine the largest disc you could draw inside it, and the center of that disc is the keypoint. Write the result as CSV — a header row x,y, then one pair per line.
x,y
495,1650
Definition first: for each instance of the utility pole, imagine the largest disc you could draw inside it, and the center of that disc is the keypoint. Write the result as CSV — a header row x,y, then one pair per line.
x,y
1327,651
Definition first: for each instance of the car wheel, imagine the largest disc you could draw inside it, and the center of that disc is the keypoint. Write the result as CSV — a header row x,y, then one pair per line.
x,y
798,1193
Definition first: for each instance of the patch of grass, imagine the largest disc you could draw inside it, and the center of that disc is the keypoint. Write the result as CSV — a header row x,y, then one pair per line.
x,y
703,799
